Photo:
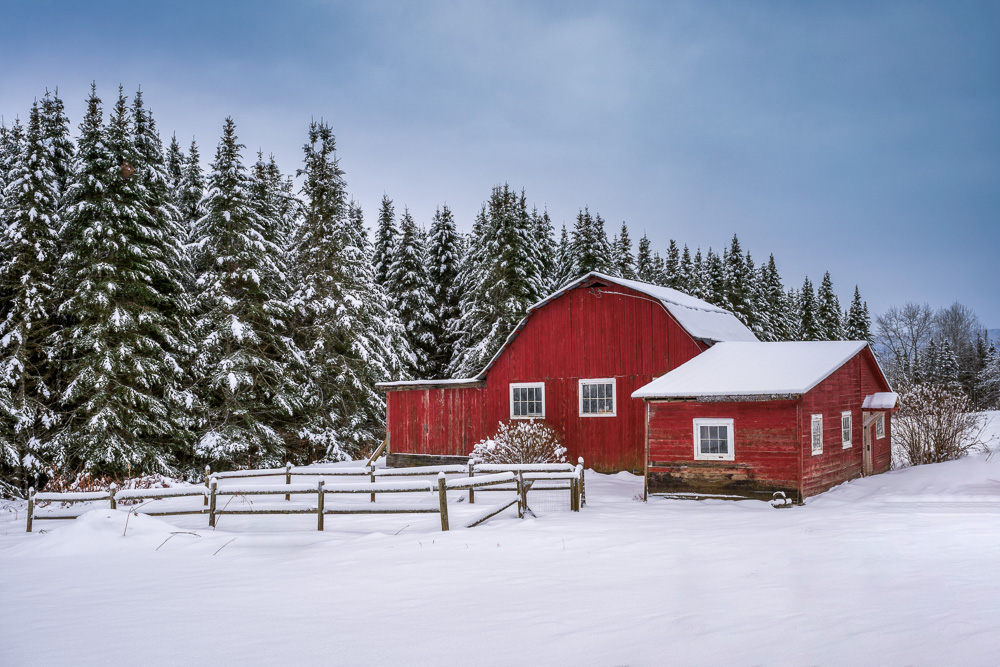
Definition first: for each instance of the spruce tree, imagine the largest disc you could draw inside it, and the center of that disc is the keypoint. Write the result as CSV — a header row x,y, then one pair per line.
x,y
672,266
56,134
988,381
739,284
545,249
828,311
858,323
501,278
685,273
410,290
191,190
338,322
250,389
385,241
644,269
30,238
175,169
698,283
810,327
715,280
775,316
589,245
622,259
444,262
119,285
563,270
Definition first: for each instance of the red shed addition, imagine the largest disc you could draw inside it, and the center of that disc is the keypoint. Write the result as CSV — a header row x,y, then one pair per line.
x,y
750,419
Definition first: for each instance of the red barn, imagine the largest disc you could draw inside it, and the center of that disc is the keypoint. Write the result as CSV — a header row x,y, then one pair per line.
x,y
573,361
749,419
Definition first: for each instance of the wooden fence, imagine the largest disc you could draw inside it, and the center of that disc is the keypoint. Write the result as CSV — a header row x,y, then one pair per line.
x,y
483,477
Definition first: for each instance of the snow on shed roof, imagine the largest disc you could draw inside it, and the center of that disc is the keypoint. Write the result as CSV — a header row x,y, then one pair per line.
x,y
883,400
747,369
699,318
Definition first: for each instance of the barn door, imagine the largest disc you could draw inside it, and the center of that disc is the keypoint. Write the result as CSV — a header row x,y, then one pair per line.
x,y
869,424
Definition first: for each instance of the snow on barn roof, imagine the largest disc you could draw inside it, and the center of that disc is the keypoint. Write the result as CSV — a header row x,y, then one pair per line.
x,y
699,318
747,369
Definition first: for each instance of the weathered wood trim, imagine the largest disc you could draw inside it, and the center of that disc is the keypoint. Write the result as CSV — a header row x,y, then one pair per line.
x,y
417,460
421,386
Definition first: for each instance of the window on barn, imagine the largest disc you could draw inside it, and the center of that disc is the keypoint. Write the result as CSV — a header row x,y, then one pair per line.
x,y
880,426
527,400
846,428
597,398
713,440
817,434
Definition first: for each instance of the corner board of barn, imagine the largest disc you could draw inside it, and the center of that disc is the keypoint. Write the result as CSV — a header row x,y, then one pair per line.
x,y
649,380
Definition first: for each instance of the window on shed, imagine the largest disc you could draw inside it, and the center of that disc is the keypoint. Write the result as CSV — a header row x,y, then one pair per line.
x,y
713,440
527,400
817,434
597,398
846,428
880,426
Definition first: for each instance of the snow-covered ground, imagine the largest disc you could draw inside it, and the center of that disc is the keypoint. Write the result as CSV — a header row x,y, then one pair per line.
x,y
897,569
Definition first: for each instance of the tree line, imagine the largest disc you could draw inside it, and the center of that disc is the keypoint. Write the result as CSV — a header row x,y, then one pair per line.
x,y
156,316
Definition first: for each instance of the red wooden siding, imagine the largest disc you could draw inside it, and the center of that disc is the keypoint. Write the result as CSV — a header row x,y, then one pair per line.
x,y
582,334
844,390
442,422
765,445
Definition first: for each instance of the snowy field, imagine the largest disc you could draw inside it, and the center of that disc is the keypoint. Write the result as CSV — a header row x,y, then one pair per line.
x,y
897,569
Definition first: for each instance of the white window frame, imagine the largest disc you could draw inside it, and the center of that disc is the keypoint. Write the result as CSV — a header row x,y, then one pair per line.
x,y
525,385
728,456
596,381
846,414
880,427
814,421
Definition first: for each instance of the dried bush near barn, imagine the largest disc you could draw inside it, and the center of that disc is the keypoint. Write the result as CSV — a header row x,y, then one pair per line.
x,y
936,423
526,441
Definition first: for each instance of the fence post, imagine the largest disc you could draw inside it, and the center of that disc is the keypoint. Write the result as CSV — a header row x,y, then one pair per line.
x,y
211,504
31,506
288,477
583,486
111,493
443,500
472,491
522,495
208,485
371,472
320,498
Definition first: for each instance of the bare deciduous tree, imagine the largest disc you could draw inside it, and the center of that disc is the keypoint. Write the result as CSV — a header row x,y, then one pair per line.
x,y
935,423
900,334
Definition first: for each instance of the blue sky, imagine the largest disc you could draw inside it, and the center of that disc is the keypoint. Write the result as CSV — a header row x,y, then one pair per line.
x,y
860,138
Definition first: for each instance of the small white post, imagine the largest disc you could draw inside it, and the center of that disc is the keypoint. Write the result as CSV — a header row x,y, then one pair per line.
x,y
208,476
583,486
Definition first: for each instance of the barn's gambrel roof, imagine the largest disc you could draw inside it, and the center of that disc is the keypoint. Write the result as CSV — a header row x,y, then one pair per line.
x,y
703,321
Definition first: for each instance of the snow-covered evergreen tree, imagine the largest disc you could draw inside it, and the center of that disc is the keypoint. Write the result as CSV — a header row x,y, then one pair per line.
x,y
444,256
644,269
30,227
622,259
672,266
698,282
501,279
409,288
739,284
828,311
545,249
858,322
56,134
810,327
340,316
175,162
251,390
589,244
119,281
715,280
386,236
685,271
190,190
776,318
563,270
988,381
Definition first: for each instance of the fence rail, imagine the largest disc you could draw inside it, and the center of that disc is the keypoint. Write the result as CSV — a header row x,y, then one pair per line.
x,y
492,477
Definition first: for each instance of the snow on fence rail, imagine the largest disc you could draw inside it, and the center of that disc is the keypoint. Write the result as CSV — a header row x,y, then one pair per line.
x,y
499,477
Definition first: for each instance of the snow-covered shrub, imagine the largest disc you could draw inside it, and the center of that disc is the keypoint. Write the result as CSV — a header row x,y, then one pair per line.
x,y
84,482
521,441
935,423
